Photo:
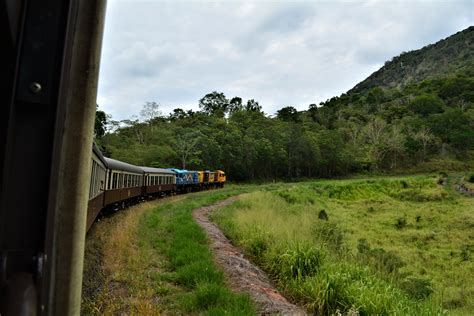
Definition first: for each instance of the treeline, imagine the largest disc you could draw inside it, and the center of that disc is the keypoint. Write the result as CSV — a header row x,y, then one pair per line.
x,y
381,130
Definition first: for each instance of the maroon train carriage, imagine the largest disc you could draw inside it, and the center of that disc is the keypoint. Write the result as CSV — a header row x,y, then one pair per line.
x,y
158,181
123,182
96,186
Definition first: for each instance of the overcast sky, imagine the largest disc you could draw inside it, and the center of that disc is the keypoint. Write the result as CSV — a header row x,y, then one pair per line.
x,y
279,53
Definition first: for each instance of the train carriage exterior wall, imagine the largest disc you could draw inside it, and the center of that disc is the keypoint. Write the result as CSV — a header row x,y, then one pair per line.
x,y
114,183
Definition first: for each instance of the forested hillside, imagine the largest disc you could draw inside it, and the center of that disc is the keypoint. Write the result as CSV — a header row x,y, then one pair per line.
x,y
419,119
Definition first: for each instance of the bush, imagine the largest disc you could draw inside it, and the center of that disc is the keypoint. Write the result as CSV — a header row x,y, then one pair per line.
x,y
379,259
401,222
329,234
385,261
471,178
420,195
323,215
363,246
417,288
465,253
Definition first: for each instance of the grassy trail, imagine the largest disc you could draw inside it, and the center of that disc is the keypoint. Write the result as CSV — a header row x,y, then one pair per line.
x,y
154,259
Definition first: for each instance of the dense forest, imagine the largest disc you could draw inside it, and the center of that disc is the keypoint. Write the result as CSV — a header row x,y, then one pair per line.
x,y
408,115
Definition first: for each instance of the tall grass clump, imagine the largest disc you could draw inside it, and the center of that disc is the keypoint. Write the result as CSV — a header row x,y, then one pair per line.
x,y
295,261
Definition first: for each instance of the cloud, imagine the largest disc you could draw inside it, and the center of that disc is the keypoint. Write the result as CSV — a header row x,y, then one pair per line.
x,y
277,52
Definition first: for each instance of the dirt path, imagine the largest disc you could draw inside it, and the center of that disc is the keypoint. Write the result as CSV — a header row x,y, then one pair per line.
x,y
241,274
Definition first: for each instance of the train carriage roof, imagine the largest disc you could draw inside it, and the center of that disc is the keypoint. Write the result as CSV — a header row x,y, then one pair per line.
x,y
157,170
98,153
122,166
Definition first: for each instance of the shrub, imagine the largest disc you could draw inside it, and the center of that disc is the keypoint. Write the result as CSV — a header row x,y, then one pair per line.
x,y
363,246
420,195
417,288
471,178
329,234
401,222
465,253
323,215
386,260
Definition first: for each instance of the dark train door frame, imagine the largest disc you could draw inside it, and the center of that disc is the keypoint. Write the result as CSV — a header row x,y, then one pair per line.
x,y
48,99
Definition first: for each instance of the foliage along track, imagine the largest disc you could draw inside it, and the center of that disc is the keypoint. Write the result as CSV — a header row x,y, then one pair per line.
x,y
242,275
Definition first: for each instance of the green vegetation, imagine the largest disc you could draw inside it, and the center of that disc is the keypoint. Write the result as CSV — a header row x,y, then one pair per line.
x,y
406,124
452,55
154,259
385,246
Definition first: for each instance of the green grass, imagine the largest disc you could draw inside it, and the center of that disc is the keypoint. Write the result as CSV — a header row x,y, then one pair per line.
x,y
393,245
155,260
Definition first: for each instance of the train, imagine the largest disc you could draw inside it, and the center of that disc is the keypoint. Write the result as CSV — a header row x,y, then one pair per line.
x,y
115,184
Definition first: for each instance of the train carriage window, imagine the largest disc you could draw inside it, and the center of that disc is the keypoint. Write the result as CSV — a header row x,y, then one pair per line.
x,y
114,180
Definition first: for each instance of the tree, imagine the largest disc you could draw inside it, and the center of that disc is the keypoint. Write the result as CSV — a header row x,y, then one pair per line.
x,y
288,114
186,143
376,137
150,111
214,103
100,123
178,114
453,128
425,137
235,104
426,104
253,105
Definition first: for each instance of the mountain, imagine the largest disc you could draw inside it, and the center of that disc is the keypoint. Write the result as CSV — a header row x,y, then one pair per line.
x,y
448,57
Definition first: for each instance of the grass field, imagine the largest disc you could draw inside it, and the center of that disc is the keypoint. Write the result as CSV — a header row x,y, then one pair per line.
x,y
154,259
387,246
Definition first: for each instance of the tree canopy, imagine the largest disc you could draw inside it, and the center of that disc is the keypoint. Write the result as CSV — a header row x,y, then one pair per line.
x,y
383,129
